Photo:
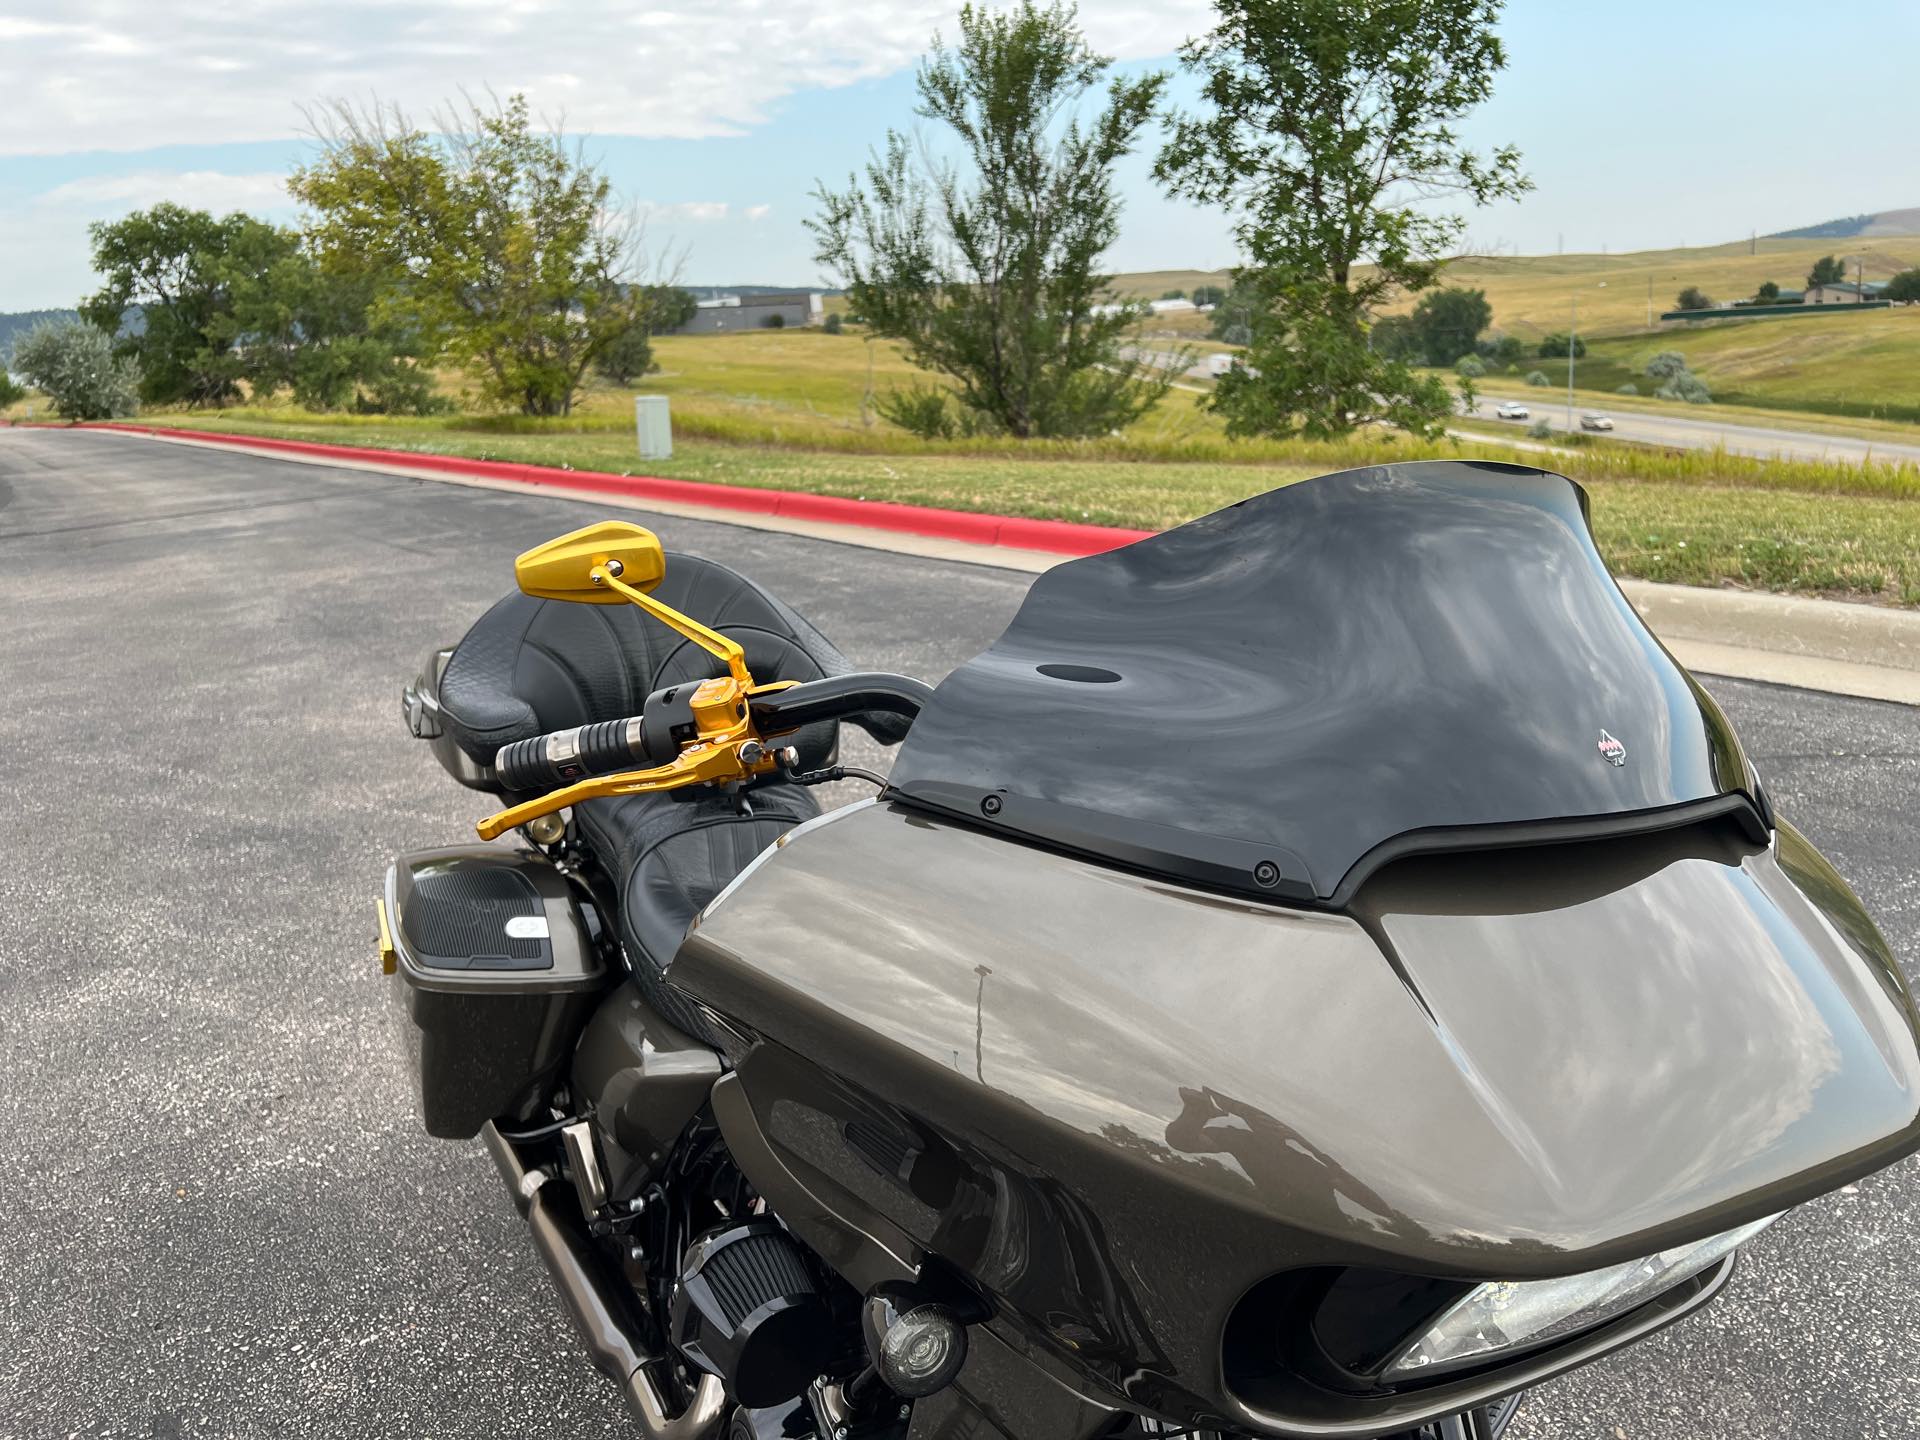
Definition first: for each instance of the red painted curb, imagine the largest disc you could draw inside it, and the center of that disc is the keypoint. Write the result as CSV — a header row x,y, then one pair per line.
x,y
1059,537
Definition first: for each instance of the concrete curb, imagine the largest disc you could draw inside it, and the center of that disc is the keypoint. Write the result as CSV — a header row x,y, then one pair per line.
x,y
1828,645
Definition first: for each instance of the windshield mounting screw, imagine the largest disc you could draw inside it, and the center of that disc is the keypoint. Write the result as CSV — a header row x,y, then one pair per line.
x,y
991,805
1266,874
616,569
752,752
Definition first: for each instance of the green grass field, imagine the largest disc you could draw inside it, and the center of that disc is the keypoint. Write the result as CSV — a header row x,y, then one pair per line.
x,y
1862,365
783,409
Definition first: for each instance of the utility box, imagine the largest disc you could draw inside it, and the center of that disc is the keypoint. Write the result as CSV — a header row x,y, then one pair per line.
x,y
654,426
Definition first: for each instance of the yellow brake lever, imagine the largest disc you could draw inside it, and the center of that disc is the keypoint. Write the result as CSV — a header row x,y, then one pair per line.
x,y
699,765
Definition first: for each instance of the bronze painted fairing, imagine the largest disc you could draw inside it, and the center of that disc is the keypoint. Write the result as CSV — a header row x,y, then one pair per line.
x,y
1114,1104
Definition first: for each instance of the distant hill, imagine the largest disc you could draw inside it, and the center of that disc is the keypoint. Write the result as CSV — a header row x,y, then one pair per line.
x,y
21,321
1884,222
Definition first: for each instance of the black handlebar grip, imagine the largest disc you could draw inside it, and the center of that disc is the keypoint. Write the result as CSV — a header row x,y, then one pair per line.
x,y
546,762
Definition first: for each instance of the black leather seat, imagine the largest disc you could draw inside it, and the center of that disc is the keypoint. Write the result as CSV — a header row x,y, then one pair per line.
x,y
530,666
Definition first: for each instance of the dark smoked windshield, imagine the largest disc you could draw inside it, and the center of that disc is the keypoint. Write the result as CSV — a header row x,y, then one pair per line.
x,y
1258,699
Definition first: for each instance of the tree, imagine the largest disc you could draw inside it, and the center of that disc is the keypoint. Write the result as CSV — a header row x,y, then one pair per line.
x,y
1537,377
987,271
1767,294
831,325
1232,320
1553,346
1504,351
1328,129
1693,298
1827,270
1470,367
10,393
1204,295
1397,338
74,363
496,245
629,355
176,266
1449,323
1667,364
1173,295
1904,288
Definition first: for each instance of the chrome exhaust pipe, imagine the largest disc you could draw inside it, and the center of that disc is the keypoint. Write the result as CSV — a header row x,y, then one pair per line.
x,y
600,1311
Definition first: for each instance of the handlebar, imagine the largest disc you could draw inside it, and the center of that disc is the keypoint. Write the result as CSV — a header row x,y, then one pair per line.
x,y
653,737
546,762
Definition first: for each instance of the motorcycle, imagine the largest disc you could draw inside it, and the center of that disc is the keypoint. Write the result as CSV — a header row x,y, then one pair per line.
x,y
1325,969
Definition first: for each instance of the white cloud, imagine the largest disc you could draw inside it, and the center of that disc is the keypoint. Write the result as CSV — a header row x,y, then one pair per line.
x,y
113,76
200,189
698,211
757,212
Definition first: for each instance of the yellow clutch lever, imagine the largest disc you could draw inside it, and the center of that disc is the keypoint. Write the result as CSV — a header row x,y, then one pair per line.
x,y
699,765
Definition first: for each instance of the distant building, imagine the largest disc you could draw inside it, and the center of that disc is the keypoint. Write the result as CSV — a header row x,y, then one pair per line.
x,y
1843,292
727,313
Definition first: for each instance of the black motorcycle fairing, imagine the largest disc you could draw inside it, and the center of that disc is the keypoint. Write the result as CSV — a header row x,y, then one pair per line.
x,y
1258,699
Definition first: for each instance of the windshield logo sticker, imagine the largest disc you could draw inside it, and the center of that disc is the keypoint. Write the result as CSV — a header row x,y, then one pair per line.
x,y
1612,749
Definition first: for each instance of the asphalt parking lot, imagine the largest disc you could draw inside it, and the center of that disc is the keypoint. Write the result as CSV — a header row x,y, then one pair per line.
x,y
219,1216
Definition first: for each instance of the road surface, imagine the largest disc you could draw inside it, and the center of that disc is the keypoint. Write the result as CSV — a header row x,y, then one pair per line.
x,y
220,1217
1696,428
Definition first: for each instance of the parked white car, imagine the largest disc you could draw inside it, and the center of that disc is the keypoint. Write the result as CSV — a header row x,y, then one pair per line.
x,y
1596,422
1512,410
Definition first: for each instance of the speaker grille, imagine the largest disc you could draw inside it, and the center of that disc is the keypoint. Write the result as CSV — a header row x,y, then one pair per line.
x,y
462,911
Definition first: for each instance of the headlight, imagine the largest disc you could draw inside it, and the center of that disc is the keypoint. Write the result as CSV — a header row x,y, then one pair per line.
x,y
1505,1313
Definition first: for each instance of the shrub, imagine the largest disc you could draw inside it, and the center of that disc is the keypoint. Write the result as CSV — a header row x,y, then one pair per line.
x,y
1505,351
75,365
1686,386
831,325
1470,366
1667,364
1540,430
1174,295
920,410
626,357
1627,389
1537,377
775,321
9,392
1208,294
1554,347
1693,298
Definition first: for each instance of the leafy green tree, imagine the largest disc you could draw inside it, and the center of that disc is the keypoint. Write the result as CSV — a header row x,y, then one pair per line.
x,y
1685,386
10,393
1537,378
1904,288
1208,294
831,325
629,355
1397,338
1666,365
1449,323
1693,298
1470,367
1327,130
988,271
1503,351
1173,295
1553,346
175,267
495,244
75,365
1767,294
1827,270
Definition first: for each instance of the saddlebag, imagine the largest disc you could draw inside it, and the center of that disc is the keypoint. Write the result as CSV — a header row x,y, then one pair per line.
x,y
497,970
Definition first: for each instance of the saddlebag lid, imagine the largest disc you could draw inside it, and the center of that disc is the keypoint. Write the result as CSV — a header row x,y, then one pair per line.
x,y
1279,696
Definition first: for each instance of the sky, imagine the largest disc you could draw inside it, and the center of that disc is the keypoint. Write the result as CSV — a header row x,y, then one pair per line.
x,y
1644,125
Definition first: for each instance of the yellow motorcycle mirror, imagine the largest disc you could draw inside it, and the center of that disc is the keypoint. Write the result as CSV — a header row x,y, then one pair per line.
x,y
577,566
611,563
